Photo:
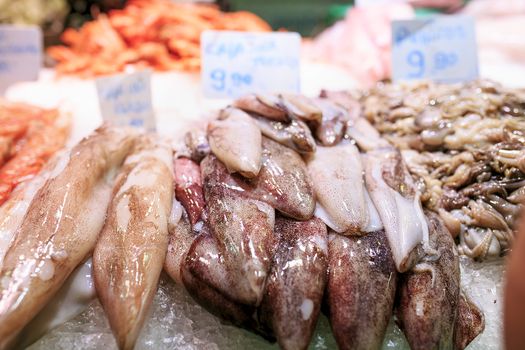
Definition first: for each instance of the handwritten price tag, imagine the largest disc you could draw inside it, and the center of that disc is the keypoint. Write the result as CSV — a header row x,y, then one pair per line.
x,y
20,54
440,48
237,63
125,100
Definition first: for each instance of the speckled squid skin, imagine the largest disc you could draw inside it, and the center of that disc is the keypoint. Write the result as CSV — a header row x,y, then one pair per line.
x,y
205,276
131,248
361,289
60,228
296,283
188,187
428,301
470,323
283,182
243,229
181,238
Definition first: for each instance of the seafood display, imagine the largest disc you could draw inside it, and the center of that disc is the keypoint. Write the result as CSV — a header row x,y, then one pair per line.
x,y
464,144
270,231
29,137
279,209
159,34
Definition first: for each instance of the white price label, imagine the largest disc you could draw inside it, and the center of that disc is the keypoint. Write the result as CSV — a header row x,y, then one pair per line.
x,y
441,48
237,63
20,54
125,99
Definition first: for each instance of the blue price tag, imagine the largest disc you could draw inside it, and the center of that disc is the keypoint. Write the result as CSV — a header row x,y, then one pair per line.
x,y
441,48
20,54
237,63
125,100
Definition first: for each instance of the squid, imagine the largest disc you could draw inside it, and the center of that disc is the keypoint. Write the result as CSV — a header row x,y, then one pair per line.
x,y
266,106
60,228
397,201
294,291
429,296
337,175
295,134
283,182
13,211
235,140
361,288
131,249
469,324
188,187
243,229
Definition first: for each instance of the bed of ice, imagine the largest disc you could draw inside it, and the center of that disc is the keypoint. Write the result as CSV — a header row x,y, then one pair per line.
x,y
177,322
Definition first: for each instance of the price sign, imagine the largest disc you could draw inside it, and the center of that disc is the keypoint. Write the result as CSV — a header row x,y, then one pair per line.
x,y
439,48
20,54
237,63
125,99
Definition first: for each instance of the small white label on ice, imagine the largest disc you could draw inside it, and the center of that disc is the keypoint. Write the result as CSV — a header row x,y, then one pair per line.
x,y
238,63
125,99
20,54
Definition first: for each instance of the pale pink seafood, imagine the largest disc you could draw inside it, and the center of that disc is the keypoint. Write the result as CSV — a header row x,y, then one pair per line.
x,y
243,228
295,134
13,211
75,295
361,288
469,324
283,182
302,108
131,248
397,201
337,176
334,118
296,283
207,277
188,187
236,140
266,106
60,228
429,295
181,238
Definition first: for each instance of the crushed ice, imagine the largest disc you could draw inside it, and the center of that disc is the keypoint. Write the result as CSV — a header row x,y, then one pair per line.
x,y
177,322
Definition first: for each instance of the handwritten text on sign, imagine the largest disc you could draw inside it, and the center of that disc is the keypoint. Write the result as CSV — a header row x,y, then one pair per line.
x,y
237,63
125,99
439,48
20,54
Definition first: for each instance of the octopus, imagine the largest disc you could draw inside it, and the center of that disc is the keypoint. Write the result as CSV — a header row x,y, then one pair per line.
x,y
464,144
262,232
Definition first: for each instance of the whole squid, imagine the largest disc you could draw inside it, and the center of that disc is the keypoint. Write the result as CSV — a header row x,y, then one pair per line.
x,y
131,249
283,182
337,176
429,295
361,288
235,139
397,201
60,228
296,283
243,230
207,276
